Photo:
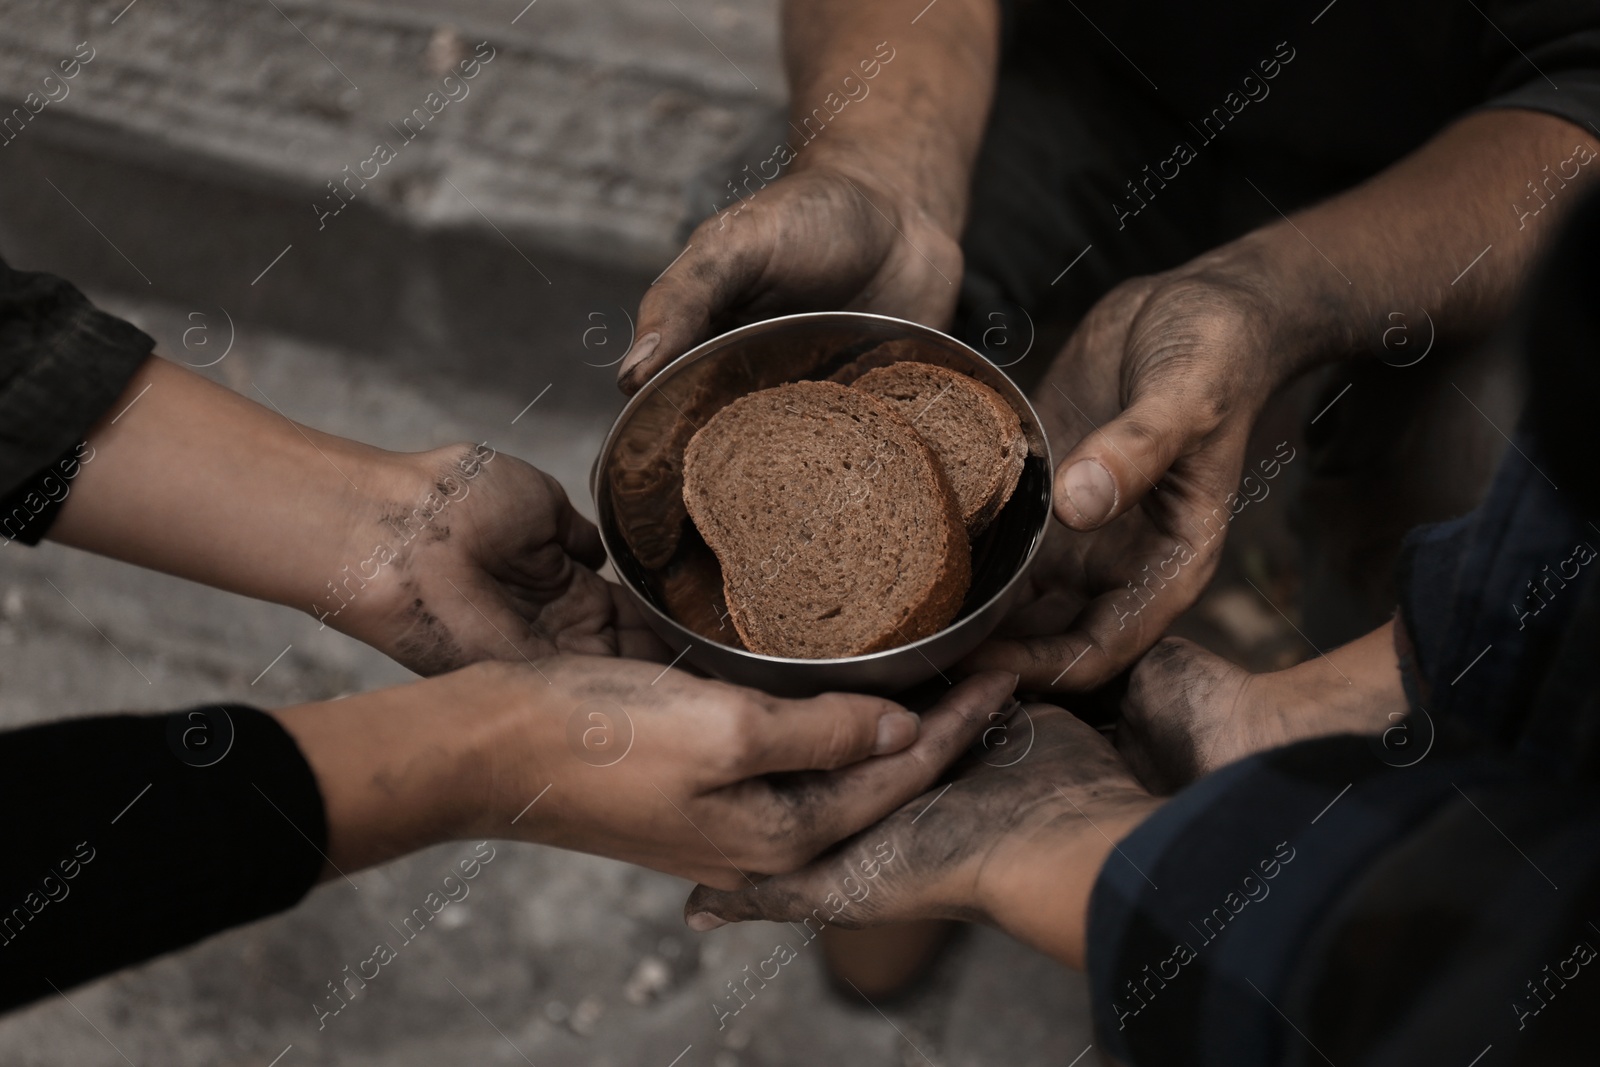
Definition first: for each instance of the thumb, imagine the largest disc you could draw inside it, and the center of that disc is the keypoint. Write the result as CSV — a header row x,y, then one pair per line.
x,y
1116,465
709,277
837,730
832,730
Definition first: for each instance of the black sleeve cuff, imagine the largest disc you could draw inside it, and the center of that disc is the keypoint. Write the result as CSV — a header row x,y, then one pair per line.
x,y
147,834
29,510
63,363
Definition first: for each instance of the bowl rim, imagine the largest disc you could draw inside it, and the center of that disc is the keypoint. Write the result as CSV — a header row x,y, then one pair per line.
x,y
722,340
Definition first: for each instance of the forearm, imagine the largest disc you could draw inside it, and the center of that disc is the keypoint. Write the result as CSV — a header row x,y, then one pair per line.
x,y
192,479
403,768
1040,893
912,97
1447,232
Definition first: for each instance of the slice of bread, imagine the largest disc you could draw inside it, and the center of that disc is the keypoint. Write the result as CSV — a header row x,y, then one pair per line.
x,y
835,529
882,355
975,435
646,475
690,588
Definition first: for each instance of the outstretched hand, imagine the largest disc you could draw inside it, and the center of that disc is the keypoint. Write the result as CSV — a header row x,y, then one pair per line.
x,y
682,774
1014,842
724,784
1188,711
475,555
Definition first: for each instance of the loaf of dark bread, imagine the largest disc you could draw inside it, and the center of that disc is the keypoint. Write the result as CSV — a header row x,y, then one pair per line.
x,y
975,435
834,526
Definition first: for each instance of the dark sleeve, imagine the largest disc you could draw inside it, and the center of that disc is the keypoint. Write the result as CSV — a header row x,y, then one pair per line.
x,y
128,836
1318,904
1545,55
63,363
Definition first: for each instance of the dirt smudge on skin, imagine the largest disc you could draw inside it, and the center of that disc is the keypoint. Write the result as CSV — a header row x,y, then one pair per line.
x,y
426,642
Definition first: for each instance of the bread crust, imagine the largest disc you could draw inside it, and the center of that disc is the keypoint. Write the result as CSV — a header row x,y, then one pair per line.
x,y
983,500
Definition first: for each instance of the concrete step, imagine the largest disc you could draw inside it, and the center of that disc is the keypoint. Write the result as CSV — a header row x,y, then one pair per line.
x,y
190,158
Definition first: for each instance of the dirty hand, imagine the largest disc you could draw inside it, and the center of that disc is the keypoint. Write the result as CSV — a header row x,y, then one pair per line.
x,y
1014,842
1152,400
620,758
821,239
467,555
1188,711
438,559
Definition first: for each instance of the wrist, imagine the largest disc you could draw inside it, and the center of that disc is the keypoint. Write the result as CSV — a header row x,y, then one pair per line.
x,y
398,769
1309,310
392,505
921,194
512,743
1038,889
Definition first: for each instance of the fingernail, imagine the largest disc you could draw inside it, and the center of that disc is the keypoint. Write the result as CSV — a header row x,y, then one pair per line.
x,y
701,921
1090,490
896,730
642,350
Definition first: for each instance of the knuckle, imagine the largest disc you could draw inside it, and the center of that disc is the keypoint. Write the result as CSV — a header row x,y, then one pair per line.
x,y
847,738
1146,429
734,734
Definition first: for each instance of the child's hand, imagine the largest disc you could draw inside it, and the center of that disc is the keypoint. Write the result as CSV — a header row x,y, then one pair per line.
x,y
474,556
686,775
438,558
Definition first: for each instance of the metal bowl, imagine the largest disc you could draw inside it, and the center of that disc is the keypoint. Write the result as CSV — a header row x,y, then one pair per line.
x,y
658,555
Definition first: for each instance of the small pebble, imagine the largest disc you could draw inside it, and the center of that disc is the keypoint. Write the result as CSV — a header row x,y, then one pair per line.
x,y
650,979
585,1015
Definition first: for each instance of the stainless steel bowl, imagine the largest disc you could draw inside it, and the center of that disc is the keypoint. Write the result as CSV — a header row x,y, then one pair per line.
x,y
637,486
